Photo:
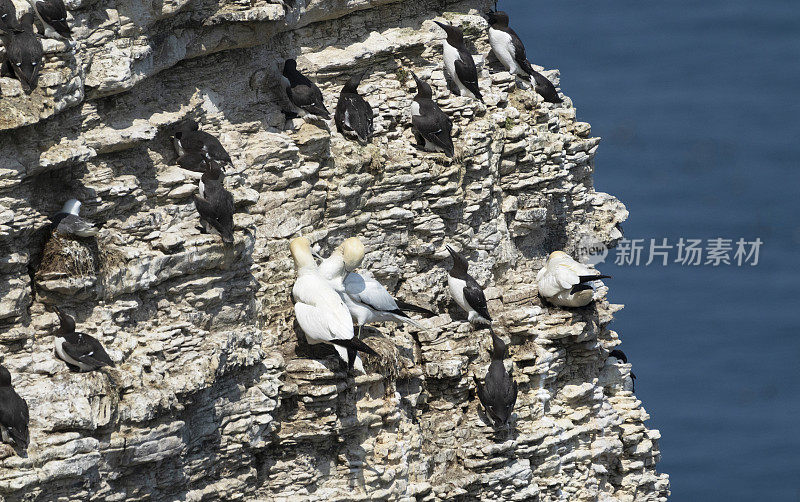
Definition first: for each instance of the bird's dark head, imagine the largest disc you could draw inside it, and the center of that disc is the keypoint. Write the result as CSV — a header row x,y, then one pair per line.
x,y
187,125
498,18
499,347
289,67
352,85
619,355
459,262
213,170
5,377
26,22
423,88
66,320
454,35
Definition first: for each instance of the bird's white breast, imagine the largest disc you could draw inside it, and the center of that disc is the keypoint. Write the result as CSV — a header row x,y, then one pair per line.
x,y
414,108
457,290
503,48
450,57
59,344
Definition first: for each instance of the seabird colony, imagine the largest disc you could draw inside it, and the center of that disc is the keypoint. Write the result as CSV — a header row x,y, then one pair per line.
x,y
328,297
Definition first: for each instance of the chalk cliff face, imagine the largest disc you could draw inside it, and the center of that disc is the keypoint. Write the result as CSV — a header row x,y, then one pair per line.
x,y
216,395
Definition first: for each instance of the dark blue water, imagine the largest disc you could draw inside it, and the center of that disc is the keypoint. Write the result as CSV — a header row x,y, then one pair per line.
x,y
698,107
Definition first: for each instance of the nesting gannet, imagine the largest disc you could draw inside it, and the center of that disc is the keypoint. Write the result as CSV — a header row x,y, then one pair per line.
x,y
191,144
498,394
78,349
214,203
458,62
353,114
466,291
320,311
69,222
24,54
431,126
564,282
366,298
13,413
509,49
302,92
53,15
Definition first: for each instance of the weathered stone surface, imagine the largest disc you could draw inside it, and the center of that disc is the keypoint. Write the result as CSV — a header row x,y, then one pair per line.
x,y
214,395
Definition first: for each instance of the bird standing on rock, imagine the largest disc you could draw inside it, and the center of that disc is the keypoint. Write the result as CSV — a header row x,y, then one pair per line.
x,y
319,310
53,15
564,282
431,126
13,413
466,291
509,49
78,349
193,145
8,16
366,298
302,92
214,203
353,114
69,222
24,54
458,62
498,394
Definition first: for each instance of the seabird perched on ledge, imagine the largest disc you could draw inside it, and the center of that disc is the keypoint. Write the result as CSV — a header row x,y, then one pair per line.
x,y
191,144
8,16
353,114
466,291
616,356
431,126
366,298
458,62
13,413
24,54
69,222
302,92
214,203
565,282
320,312
509,49
498,394
53,15
78,349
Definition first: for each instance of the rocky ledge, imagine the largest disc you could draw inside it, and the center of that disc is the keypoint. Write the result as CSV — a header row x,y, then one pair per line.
x,y
215,396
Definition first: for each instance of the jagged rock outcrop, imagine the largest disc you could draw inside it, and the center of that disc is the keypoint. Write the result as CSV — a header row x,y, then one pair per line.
x,y
216,396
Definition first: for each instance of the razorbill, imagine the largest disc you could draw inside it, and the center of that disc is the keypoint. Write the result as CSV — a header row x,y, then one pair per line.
x,y
616,356
465,290
509,49
353,114
431,126
214,203
13,413
78,349
302,92
24,54
53,15
8,16
69,222
320,311
498,394
458,62
366,298
191,144
564,282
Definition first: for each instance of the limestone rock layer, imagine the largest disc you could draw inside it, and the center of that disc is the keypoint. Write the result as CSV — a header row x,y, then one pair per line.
x,y
216,395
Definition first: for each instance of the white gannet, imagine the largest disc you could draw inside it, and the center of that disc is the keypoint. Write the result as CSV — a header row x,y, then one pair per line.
x,y
564,282
320,311
509,49
367,299
466,291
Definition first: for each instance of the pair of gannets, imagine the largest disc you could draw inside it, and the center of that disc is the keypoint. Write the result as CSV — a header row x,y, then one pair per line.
x,y
331,296
202,152
565,282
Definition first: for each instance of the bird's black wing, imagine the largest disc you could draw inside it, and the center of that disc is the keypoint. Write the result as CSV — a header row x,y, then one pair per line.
x,y
519,51
25,55
88,350
213,146
468,74
484,398
501,391
434,125
54,13
475,298
193,141
544,87
309,98
217,209
14,416
355,114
